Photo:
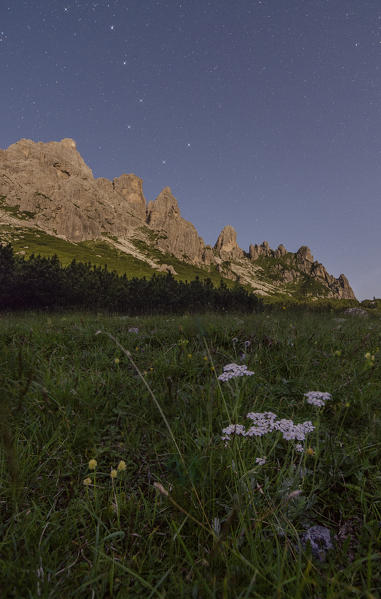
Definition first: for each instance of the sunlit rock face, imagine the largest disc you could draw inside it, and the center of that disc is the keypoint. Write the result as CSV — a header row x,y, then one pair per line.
x,y
176,235
52,182
50,187
226,244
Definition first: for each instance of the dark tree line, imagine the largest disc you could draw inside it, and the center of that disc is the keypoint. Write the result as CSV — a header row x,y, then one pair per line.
x,y
39,283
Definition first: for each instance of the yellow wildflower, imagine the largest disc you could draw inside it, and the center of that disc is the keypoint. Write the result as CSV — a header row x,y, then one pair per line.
x,y
92,464
338,352
122,466
370,358
113,473
189,355
116,360
87,481
310,451
206,358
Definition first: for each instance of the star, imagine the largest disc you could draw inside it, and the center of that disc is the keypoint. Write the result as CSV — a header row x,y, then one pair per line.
x,y
141,100
163,162
188,145
112,27
124,62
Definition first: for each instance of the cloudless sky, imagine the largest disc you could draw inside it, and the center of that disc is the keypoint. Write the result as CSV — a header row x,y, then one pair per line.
x,y
261,114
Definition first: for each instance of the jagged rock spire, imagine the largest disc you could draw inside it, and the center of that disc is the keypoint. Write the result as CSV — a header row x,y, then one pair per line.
x,y
226,244
164,207
304,253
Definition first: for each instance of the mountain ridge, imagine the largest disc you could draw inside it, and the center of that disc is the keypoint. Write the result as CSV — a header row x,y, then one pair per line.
x,y
49,187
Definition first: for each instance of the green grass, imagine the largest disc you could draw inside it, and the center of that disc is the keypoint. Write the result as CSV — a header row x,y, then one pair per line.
x,y
271,266
301,287
99,253
229,527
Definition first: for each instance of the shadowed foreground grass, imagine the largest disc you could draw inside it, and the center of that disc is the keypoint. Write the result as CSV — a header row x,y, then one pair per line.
x,y
184,515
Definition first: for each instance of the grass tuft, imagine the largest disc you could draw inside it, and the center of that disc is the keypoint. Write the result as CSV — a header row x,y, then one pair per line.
x,y
115,482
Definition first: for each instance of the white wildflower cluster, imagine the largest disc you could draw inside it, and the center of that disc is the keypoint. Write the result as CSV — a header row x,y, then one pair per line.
x,y
263,423
317,398
232,371
260,461
233,429
266,422
133,330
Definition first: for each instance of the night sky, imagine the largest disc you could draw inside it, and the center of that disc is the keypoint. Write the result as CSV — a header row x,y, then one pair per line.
x,y
265,115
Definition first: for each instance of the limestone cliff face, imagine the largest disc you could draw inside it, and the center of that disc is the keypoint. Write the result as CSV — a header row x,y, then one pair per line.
x,y
130,187
291,266
49,187
52,183
226,245
339,287
176,235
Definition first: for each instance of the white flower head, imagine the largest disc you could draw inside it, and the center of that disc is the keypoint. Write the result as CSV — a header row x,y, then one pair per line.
x,y
233,371
233,429
266,422
260,461
317,398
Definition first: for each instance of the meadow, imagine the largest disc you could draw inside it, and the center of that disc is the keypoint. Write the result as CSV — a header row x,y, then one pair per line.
x,y
117,480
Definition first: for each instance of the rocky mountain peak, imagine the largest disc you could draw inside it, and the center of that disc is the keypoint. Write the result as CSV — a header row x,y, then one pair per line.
x,y
304,253
280,251
178,236
61,158
255,251
226,244
163,208
68,141
227,239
